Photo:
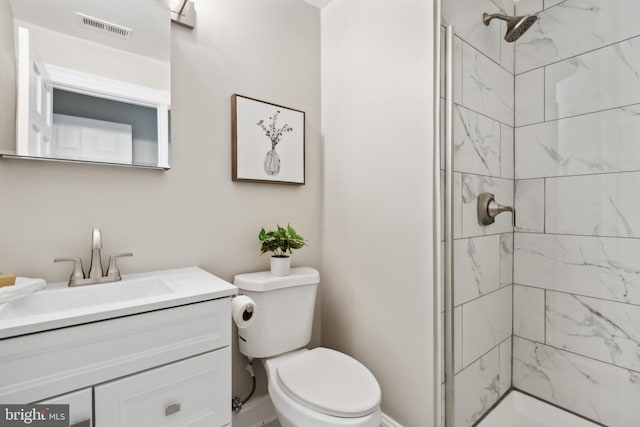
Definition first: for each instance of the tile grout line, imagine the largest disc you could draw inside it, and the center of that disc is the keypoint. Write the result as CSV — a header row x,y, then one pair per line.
x,y
635,171
547,233
483,355
544,94
544,315
564,350
461,340
487,56
513,234
458,104
574,295
478,175
481,296
497,233
544,206
579,54
594,112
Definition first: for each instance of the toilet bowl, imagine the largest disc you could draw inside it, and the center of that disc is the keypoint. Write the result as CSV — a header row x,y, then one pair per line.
x,y
322,388
308,388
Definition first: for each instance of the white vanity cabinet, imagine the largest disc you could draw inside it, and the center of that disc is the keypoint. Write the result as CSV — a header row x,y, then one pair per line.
x,y
179,394
80,406
167,367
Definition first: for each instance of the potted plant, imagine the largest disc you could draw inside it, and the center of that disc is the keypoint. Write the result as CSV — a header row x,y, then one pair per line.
x,y
281,243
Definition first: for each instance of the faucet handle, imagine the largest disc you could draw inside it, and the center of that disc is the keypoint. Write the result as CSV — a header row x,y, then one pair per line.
x,y
96,238
113,271
488,209
78,271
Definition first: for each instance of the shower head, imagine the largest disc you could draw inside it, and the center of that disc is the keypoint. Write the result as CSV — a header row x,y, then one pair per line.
x,y
516,25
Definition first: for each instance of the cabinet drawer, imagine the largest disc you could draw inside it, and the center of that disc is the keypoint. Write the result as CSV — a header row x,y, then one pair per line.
x,y
193,392
80,407
34,367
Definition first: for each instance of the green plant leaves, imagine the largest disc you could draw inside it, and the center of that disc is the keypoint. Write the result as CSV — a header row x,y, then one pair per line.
x,y
281,241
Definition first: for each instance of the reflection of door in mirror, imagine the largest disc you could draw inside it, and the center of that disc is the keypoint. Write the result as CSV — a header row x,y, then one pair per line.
x,y
78,138
35,100
93,80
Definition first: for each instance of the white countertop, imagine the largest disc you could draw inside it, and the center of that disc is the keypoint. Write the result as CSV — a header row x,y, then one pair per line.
x,y
59,306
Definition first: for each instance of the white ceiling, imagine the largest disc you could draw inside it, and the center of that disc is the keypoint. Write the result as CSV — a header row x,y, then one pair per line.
x,y
318,3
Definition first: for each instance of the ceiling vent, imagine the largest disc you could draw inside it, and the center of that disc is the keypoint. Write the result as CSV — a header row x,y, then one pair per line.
x,y
104,26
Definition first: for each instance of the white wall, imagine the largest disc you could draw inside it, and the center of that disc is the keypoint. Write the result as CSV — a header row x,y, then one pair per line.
x,y
194,214
377,290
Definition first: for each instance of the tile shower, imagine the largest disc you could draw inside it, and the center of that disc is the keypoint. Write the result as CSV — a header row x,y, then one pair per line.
x,y
576,299
483,120
550,124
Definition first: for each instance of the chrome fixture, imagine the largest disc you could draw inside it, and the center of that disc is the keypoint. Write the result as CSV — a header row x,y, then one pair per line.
x,y
183,13
449,267
95,269
78,277
516,25
488,209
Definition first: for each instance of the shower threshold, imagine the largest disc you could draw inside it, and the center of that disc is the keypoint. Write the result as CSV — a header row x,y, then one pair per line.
x,y
522,410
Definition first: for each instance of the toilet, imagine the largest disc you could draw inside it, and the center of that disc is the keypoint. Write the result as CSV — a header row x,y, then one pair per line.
x,y
309,388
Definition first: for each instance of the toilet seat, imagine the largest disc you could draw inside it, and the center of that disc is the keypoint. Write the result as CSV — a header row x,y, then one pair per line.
x,y
329,382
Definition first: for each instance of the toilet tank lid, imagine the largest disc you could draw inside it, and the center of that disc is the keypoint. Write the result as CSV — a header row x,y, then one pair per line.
x,y
263,281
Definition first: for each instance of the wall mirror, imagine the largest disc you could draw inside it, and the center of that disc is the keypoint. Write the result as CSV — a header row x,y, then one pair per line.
x,y
92,80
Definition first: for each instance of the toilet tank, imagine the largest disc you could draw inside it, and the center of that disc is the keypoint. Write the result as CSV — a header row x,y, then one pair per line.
x,y
284,311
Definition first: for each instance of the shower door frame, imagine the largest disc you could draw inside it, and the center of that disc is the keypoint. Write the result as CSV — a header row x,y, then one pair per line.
x,y
443,278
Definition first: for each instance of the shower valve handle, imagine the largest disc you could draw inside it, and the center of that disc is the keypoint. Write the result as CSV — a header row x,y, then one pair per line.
x,y
488,209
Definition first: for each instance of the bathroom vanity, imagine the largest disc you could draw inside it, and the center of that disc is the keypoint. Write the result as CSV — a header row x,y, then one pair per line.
x,y
150,350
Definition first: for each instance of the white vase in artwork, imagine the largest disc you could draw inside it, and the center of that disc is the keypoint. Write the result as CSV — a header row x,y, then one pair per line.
x,y
272,162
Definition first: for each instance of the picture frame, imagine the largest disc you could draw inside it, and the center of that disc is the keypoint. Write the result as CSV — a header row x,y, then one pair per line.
x,y
268,142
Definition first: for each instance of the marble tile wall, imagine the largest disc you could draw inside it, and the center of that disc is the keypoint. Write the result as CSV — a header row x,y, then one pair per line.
x,y
483,123
599,391
472,400
576,266
581,152
554,36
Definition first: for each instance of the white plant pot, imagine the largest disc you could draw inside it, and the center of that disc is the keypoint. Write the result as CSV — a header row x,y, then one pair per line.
x,y
280,266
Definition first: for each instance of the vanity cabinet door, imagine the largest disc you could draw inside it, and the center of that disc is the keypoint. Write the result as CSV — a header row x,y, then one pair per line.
x,y
80,407
193,392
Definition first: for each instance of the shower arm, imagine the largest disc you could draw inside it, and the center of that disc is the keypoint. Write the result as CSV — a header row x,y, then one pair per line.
x,y
486,18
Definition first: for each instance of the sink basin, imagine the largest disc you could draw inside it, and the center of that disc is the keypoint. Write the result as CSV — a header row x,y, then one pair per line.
x,y
59,306
49,301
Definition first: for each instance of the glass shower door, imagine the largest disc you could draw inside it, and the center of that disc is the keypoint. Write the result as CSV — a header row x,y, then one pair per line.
x,y
480,118
549,124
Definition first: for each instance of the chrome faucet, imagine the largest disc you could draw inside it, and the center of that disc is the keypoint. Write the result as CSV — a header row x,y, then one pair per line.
x,y
78,277
95,270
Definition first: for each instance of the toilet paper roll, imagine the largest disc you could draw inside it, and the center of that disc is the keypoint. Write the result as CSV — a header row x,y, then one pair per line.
x,y
243,310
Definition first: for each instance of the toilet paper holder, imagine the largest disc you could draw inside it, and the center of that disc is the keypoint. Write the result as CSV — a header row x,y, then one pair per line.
x,y
247,314
243,310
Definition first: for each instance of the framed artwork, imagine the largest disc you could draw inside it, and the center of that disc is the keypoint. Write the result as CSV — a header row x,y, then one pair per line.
x,y
268,142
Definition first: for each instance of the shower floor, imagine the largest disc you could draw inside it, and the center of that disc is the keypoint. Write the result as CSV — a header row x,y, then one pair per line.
x,y
518,409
